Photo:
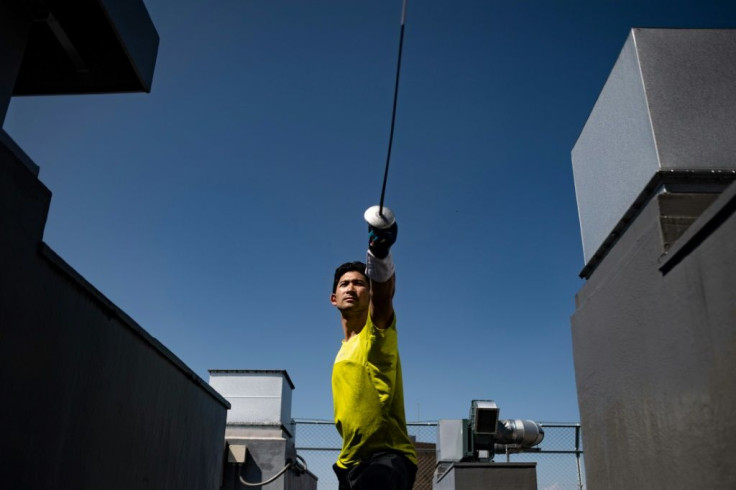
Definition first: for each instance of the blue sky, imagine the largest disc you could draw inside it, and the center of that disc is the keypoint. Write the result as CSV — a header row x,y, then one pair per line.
x,y
214,209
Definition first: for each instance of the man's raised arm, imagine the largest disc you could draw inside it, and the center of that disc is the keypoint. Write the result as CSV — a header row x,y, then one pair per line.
x,y
380,271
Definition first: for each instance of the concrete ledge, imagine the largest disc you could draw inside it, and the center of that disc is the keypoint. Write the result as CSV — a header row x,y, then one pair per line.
x,y
712,181
477,476
57,262
18,152
711,219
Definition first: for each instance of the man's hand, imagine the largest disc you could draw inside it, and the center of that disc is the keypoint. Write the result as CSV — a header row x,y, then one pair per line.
x,y
381,239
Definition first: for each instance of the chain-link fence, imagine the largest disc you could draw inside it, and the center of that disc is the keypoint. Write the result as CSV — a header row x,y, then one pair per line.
x,y
558,457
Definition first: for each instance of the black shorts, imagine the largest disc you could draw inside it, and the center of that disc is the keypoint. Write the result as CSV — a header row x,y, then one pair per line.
x,y
385,471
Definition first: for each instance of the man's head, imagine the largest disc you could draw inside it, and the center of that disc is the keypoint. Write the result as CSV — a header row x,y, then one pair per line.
x,y
356,266
351,289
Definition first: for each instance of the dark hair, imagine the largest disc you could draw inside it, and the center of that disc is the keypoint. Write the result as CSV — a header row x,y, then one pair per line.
x,y
356,266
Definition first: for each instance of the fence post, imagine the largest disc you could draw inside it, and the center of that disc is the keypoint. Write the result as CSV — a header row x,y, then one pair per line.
x,y
577,456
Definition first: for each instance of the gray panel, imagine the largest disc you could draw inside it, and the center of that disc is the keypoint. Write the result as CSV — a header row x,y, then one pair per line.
x,y
615,155
479,476
451,437
690,80
668,104
137,34
257,397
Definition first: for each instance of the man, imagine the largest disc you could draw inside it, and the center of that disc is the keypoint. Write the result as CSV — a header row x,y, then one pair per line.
x,y
367,389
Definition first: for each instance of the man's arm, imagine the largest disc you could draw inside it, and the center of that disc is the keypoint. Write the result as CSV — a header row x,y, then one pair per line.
x,y
382,304
380,271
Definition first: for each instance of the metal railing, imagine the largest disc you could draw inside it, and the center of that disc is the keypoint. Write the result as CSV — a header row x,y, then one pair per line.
x,y
558,457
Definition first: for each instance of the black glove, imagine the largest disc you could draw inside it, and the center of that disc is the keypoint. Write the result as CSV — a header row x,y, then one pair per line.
x,y
381,239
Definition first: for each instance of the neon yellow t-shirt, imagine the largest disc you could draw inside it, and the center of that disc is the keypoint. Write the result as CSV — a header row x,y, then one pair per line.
x,y
368,396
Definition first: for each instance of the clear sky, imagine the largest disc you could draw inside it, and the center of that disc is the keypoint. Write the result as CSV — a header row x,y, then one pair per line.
x,y
214,209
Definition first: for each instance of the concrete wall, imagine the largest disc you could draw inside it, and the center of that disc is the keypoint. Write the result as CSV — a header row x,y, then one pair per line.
x,y
654,340
89,399
654,330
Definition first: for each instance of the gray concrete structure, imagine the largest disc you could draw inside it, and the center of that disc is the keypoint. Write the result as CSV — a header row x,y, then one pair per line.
x,y
257,397
480,476
89,399
260,421
654,330
84,46
666,116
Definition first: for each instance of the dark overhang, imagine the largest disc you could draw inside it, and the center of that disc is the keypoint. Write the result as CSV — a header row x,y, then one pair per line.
x,y
88,46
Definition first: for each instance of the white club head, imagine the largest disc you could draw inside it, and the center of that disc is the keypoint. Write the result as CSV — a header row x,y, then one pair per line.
x,y
378,219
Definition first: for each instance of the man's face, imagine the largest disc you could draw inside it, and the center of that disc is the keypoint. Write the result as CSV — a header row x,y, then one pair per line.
x,y
352,292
